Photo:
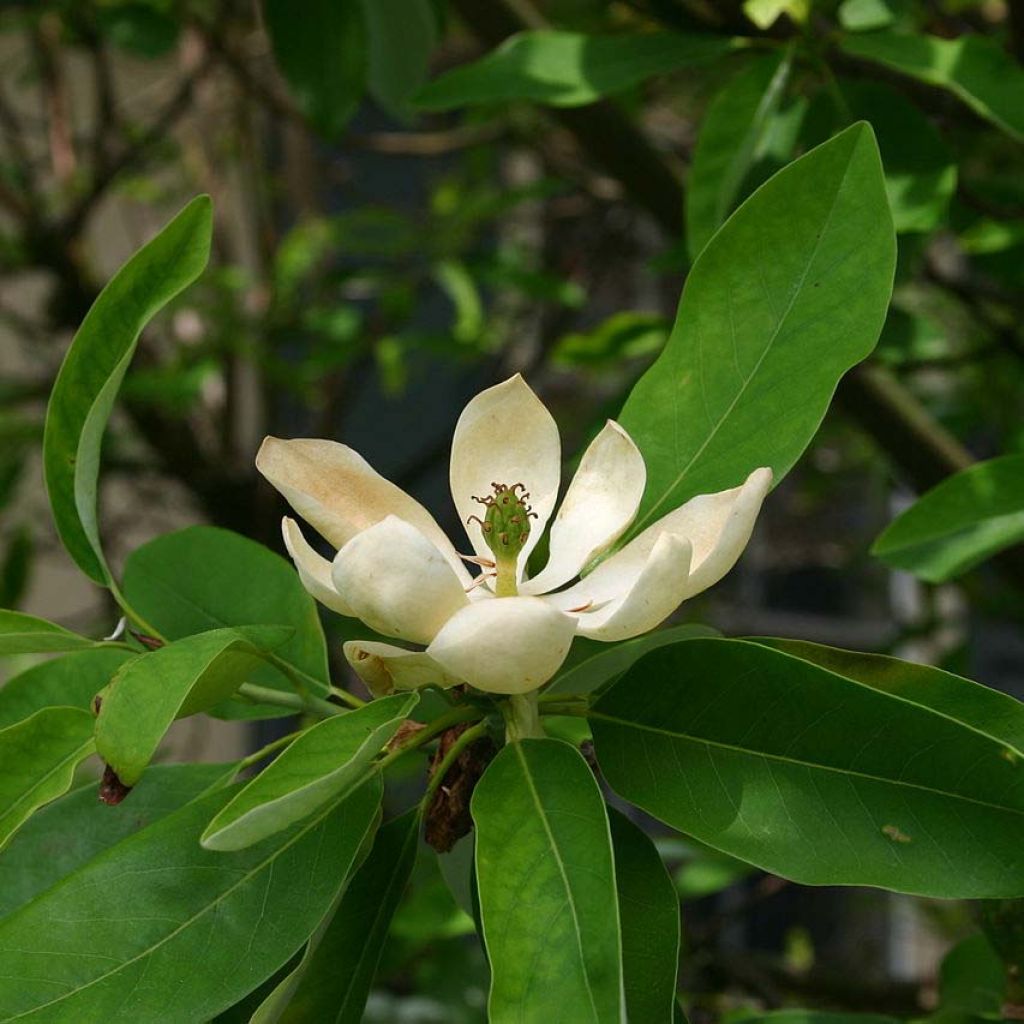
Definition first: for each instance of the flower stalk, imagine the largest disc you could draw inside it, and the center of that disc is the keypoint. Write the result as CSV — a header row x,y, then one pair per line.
x,y
522,717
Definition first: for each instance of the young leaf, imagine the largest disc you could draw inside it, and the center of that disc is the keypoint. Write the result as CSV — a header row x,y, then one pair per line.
x,y
787,296
121,935
181,679
401,37
66,834
39,757
320,767
94,367
976,70
733,128
649,911
71,681
568,69
546,880
958,524
27,634
812,775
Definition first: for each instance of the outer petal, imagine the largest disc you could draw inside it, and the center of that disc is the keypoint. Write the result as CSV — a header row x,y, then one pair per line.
x,y
397,582
508,645
386,668
600,503
505,435
340,494
314,569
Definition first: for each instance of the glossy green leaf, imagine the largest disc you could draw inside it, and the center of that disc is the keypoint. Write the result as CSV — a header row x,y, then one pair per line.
x,y
181,679
28,634
975,69
38,758
649,913
401,35
322,54
789,294
119,938
568,69
68,833
735,126
94,367
201,578
71,681
958,524
321,766
546,880
812,775
972,978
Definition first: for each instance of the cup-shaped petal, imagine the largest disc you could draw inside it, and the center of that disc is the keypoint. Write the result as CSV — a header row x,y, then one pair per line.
x,y
597,508
397,582
508,645
386,668
314,569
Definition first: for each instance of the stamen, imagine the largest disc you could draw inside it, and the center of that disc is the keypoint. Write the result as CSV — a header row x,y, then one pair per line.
x,y
487,563
582,607
483,577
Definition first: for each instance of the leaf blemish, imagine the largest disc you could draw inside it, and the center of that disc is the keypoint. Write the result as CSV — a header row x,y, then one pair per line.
x,y
893,833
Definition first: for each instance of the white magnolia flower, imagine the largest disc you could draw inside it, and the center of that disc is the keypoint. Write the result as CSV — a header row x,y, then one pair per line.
x,y
501,632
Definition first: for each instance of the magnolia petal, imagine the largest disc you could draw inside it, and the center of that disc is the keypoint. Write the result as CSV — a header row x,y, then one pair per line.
x,y
600,503
508,645
658,591
386,668
340,494
505,435
314,569
397,582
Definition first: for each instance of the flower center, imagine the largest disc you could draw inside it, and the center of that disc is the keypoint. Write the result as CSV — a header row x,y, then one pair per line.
x,y
506,527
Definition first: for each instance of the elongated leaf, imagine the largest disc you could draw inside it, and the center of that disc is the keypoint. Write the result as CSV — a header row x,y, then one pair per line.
x,y
811,775
322,54
66,834
321,766
567,69
38,759
789,294
202,578
181,679
649,912
71,681
401,37
733,128
119,938
27,634
975,69
94,367
958,524
546,880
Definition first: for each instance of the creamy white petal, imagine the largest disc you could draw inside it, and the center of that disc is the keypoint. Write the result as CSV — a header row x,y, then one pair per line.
x,y
505,435
397,582
598,506
508,645
386,668
717,526
314,569
340,494
658,591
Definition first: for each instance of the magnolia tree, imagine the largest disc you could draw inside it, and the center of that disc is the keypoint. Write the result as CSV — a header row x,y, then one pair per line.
x,y
520,669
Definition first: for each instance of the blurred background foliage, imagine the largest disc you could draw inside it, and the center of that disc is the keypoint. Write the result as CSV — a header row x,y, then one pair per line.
x,y
416,198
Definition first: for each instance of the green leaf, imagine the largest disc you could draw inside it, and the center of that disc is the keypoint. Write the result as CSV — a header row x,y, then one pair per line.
x,y
748,373
181,679
864,15
972,978
121,935
814,776
28,634
39,757
546,880
568,69
958,524
71,831
811,1017
649,912
322,54
976,70
71,681
734,128
94,367
202,578
321,766
401,38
